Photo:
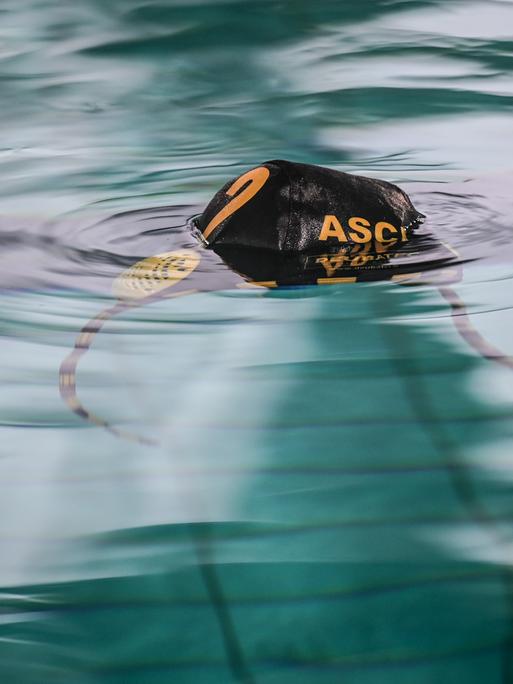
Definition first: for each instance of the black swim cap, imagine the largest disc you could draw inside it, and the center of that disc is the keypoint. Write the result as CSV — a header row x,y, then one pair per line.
x,y
289,207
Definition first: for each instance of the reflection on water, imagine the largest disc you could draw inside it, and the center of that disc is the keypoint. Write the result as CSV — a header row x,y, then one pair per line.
x,y
325,491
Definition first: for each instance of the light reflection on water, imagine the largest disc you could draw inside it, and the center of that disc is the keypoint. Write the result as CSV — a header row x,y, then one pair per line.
x,y
329,496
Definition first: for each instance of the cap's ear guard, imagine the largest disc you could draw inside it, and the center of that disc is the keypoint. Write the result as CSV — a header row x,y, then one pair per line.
x,y
287,207
154,275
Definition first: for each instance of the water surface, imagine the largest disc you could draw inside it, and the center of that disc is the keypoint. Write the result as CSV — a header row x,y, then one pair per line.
x,y
319,488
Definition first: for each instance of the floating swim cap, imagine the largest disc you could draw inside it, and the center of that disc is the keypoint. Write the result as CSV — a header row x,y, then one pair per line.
x,y
288,207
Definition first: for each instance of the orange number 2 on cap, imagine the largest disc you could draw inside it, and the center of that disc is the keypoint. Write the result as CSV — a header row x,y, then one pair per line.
x,y
257,178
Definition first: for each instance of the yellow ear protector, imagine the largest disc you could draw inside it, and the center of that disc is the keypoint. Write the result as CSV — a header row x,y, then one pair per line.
x,y
155,274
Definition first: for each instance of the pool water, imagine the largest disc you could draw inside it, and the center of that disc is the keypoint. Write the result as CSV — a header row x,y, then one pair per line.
x,y
271,485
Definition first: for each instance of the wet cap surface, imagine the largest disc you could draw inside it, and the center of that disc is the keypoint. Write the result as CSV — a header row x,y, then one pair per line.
x,y
289,207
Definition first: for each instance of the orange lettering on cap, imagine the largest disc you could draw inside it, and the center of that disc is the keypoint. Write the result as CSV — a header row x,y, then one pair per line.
x,y
360,226
331,228
381,227
256,178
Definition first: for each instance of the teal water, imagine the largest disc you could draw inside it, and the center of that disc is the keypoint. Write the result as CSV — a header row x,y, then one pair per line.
x,y
326,493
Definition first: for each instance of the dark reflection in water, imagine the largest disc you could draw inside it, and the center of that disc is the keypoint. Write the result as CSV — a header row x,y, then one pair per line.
x,y
372,261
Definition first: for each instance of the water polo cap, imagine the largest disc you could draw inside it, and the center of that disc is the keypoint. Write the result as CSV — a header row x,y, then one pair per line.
x,y
288,207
